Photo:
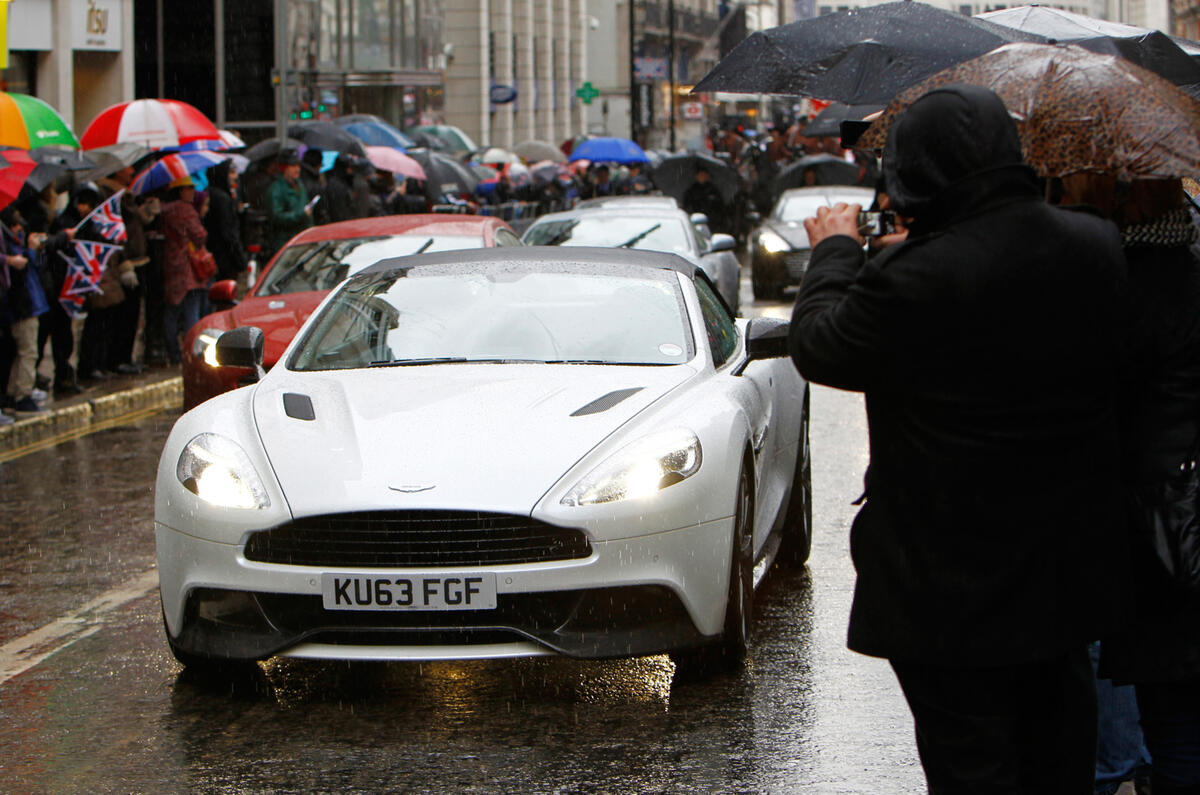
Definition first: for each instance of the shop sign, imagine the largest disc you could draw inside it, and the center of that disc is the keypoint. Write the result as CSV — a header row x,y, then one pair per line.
x,y
96,25
692,111
500,94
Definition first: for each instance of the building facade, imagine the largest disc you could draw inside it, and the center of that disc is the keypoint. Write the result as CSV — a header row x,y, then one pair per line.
x,y
77,55
514,67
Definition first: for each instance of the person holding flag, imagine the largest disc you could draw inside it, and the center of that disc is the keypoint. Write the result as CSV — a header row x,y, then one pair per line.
x,y
57,324
103,298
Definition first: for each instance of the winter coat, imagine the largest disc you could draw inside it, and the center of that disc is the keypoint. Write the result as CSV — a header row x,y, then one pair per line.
x,y
285,212
223,225
338,196
986,346
180,225
1160,409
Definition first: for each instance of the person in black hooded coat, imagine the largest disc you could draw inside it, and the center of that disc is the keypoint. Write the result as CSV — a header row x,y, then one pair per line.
x,y
991,534
223,223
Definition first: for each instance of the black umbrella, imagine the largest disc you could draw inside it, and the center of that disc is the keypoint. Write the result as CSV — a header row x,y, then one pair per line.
x,y
863,55
826,170
444,174
326,135
270,149
1149,49
676,173
829,121
428,140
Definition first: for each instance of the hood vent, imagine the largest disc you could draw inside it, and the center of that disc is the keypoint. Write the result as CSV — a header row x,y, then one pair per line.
x,y
298,407
606,402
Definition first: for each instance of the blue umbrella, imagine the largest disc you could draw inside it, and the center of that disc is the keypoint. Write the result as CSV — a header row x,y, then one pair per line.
x,y
609,150
374,131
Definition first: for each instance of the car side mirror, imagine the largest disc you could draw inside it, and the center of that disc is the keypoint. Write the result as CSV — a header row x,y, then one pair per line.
x,y
754,217
242,347
699,219
767,338
223,294
722,242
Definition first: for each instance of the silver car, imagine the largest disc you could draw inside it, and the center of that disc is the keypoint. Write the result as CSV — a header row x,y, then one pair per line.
x,y
645,224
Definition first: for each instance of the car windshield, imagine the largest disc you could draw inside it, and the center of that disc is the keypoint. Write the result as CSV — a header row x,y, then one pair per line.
x,y
797,208
436,315
326,263
646,232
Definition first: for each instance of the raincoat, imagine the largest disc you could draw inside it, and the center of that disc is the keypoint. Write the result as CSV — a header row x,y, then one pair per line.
x,y
986,345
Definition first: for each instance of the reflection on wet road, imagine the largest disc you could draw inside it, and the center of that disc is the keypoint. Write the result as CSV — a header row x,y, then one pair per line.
x,y
112,712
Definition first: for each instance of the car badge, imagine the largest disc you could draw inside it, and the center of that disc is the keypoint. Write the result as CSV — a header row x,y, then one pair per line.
x,y
411,489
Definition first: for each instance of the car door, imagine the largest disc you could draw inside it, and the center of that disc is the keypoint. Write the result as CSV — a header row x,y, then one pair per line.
x,y
754,390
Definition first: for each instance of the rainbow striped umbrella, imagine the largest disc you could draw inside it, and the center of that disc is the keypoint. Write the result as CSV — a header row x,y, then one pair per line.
x,y
27,122
173,167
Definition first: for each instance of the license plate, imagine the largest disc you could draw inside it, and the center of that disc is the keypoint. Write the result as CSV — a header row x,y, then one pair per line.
x,y
415,592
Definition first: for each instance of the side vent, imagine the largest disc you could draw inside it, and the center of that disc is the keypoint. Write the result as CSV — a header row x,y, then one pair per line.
x,y
298,407
605,402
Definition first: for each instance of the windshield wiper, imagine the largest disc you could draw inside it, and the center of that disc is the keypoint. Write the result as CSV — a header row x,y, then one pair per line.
x,y
414,362
562,236
277,285
638,238
423,247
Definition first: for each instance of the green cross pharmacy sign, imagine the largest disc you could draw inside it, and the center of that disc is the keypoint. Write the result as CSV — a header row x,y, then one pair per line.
x,y
587,92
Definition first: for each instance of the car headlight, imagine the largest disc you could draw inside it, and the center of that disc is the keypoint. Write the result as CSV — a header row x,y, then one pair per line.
x,y
772,243
218,471
205,346
640,469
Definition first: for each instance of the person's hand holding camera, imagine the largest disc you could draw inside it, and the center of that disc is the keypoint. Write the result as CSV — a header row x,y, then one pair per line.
x,y
841,219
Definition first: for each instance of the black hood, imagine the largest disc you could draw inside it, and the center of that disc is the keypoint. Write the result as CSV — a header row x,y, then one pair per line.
x,y
951,151
218,176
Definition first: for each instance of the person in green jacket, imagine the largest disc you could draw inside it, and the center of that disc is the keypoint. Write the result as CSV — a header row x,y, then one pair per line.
x,y
288,211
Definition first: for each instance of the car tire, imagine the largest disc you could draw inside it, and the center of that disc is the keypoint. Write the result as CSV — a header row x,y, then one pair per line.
x,y
729,652
796,543
766,283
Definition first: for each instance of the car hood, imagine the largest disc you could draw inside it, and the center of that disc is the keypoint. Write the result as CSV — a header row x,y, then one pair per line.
x,y
791,231
279,317
489,437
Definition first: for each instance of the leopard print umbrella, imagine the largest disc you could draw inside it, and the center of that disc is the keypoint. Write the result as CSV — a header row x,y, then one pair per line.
x,y
1077,111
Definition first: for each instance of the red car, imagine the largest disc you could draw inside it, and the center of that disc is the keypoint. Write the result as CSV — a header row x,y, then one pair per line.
x,y
302,274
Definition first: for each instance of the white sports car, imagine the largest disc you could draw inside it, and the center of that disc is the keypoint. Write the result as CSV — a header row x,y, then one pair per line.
x,y
490,453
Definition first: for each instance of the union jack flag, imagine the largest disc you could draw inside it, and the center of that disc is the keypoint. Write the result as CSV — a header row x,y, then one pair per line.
x,y
107,219
83,273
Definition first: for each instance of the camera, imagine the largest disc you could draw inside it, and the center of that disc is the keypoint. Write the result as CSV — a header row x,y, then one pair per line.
x,y
877,223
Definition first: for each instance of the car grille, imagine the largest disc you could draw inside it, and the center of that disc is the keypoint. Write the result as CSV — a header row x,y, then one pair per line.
x,y
796,263
416,539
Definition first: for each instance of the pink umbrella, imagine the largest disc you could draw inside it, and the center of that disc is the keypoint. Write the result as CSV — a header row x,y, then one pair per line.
x,y
385,158
156,123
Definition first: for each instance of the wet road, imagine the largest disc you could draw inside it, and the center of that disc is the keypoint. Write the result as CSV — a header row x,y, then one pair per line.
x,y
92,701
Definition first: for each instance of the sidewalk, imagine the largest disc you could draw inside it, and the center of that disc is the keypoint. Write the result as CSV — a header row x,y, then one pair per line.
x,y
102,404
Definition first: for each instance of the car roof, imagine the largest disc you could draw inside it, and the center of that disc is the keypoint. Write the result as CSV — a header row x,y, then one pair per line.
x,y
551,256
628,202
625,210
827,191
423,223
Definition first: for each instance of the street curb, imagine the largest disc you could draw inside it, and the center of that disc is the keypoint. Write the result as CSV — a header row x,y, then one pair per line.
x,y
77,419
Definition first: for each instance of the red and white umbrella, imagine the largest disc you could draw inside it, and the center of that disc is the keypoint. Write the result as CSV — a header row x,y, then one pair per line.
x,y
157,123
385,158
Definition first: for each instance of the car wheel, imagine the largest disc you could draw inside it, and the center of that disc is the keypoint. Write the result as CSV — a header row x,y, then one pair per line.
x,y
728,653
766,283
797,523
